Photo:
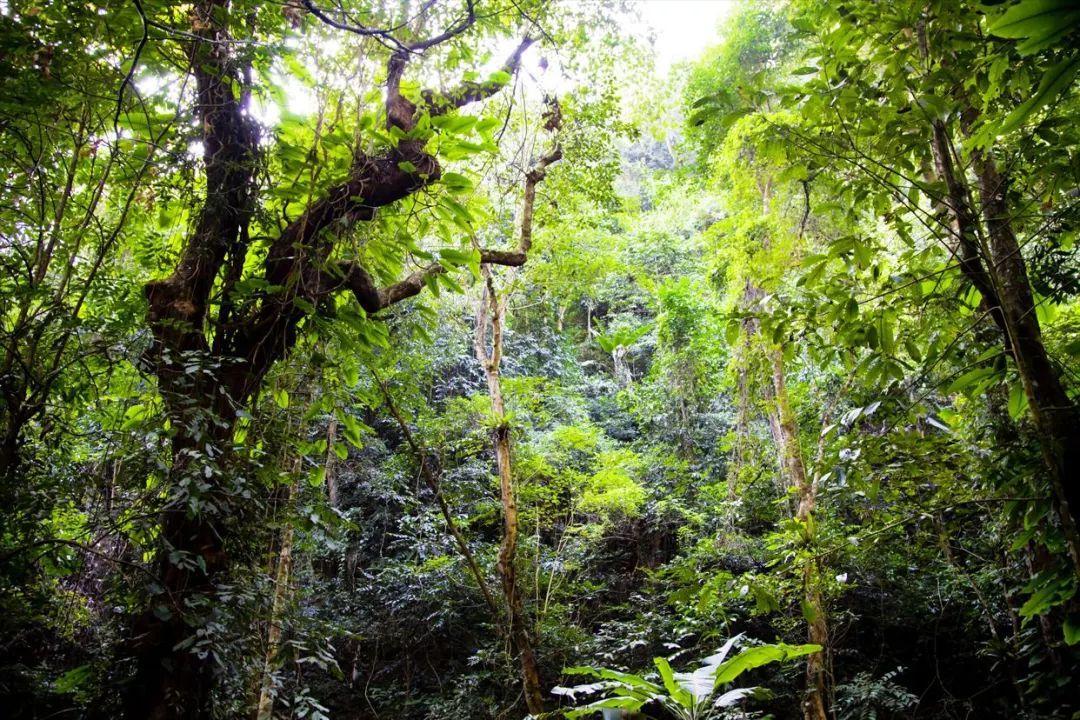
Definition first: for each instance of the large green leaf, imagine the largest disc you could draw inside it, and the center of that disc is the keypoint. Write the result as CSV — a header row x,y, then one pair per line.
x,y
621,703
677,692
606,674
1056,81
1040,23
756,657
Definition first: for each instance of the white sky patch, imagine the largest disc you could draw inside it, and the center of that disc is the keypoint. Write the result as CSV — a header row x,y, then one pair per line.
x,y
683,27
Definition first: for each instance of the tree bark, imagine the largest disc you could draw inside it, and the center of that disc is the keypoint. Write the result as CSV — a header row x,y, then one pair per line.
x,y
1053,413
1006,292
623,375
994,264
490,310
785,432
265,708
814,705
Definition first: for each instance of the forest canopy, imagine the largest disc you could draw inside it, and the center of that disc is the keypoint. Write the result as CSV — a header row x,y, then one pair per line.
x,y
426,359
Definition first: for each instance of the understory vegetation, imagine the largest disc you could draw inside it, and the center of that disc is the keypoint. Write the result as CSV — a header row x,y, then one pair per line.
x,y
415,360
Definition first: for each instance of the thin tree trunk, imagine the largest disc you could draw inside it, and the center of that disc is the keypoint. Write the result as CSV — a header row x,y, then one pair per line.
x,y
814,705
1006,291
332,491
432,481
623,375
265,708
490,309
785,432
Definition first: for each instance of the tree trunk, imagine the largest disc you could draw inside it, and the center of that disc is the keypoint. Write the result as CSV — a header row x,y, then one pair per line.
x,y
332,491
623,375
785,433
1056,420
209,368
806,497
432,481
265,708
490,310
995,267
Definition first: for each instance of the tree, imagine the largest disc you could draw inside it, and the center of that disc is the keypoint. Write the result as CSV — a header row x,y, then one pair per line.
x,y
210,367
491,308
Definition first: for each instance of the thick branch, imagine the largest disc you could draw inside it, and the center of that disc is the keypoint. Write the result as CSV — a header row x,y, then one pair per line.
x,y
532,179
353,277
451,32
178,304
298,265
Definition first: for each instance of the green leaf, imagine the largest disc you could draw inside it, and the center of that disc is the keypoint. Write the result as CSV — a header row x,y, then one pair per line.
x,y
454,124
970,379
756,657
621,703
1040,23
731,332
281,397
72,680
1056,80
604,673
354,430
459,257
1018,401
1071,627
456,182
675,690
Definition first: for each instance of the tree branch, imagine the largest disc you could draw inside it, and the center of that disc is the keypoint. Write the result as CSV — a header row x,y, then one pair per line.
x,y
439,103
380,33
454,31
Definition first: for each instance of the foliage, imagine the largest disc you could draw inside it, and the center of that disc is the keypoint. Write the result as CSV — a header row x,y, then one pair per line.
x,y
688,696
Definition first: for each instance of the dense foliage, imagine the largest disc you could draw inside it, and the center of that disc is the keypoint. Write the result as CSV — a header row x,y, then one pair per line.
x,y
400,359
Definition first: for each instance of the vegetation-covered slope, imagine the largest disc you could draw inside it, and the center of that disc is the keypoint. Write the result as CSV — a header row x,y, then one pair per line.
x,y
449,360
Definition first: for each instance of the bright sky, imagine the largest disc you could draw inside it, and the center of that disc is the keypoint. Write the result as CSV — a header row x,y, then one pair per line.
x,y
683,27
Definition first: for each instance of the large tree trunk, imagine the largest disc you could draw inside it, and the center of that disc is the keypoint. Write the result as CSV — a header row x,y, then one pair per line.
x,y
1053,413
993,263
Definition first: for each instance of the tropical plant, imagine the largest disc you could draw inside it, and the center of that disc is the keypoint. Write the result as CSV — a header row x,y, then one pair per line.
x,y
695,695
